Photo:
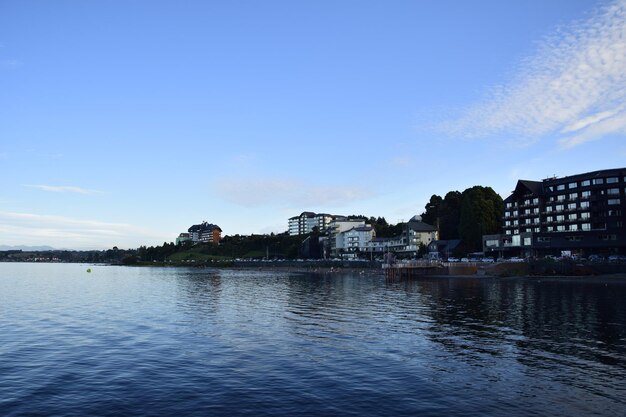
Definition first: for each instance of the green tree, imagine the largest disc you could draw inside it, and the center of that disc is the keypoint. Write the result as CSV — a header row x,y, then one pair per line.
x,y
444,213
480,214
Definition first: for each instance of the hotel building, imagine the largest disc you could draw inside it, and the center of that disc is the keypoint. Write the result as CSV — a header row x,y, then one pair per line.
x,y
579,215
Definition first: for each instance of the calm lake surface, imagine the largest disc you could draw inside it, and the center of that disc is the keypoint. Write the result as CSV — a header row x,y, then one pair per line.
x,y
200,342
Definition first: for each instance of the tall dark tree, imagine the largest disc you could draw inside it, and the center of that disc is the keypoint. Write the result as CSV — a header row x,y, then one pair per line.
x,y
481,214
449,216
433,210
444,213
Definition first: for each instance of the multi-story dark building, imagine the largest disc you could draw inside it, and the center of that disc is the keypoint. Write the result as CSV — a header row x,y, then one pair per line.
x,y
581,214
205,233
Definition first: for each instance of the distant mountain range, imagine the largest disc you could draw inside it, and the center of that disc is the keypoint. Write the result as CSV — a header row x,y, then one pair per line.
x,y
27,248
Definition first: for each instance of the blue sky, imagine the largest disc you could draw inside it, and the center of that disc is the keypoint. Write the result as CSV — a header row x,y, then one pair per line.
x,y
124,122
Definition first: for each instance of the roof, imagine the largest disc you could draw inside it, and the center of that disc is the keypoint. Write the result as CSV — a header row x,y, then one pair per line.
x,y
420,226
204,226
360,229
586,175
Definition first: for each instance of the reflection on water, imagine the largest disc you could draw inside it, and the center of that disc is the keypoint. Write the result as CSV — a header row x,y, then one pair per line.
x,y
228,342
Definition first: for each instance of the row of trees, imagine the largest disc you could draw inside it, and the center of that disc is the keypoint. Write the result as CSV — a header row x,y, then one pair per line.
x,y
463,215
466,215
382,228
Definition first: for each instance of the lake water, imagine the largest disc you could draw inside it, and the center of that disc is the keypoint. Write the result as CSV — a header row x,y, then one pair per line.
x,y
200,342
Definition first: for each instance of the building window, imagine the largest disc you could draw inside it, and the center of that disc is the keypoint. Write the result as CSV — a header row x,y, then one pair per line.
x,y
544,239
571,206
535,201
560,198
560,218
527,211
573,196
549,188
536,210
536,220
573,227
572,217
613,201
560,228
537,229
585,226
560,207
585,183
585,215
597,181
560,187
549,209
612,180
527,241
584,204
613,213
613,191
509,205
585,194
572,185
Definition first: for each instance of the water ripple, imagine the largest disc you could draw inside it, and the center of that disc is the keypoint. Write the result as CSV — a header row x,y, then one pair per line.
x,y
160,342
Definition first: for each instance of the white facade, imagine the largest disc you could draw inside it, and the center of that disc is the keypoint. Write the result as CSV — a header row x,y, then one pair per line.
x,y
335,230
356,239
306,221
415,233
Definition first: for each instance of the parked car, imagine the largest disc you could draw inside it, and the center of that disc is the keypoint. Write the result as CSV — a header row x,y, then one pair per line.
x,y
617,258
488,260
464,260
516,259
453,259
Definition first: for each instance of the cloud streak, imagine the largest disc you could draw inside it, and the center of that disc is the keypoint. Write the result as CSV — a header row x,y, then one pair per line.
x,y
574,87
286,193
63,189
58,231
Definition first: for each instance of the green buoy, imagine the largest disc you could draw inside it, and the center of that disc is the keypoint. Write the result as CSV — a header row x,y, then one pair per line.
x,y
88,269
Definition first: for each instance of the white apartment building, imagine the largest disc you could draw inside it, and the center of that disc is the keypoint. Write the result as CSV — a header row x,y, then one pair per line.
x,y
356,239
335,230
306,221
415,234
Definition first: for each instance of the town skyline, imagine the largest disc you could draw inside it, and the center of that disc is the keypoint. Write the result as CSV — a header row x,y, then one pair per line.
x,y
122,124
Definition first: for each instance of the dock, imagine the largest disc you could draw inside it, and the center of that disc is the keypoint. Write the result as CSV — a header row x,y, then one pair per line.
x,y
415,269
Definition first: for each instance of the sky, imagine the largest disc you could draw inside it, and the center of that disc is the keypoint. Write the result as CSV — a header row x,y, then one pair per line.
x,y
122,123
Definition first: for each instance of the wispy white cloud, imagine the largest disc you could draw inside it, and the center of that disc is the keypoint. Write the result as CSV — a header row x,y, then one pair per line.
x,y
288,193
63,189
574,87
10,63
58,231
